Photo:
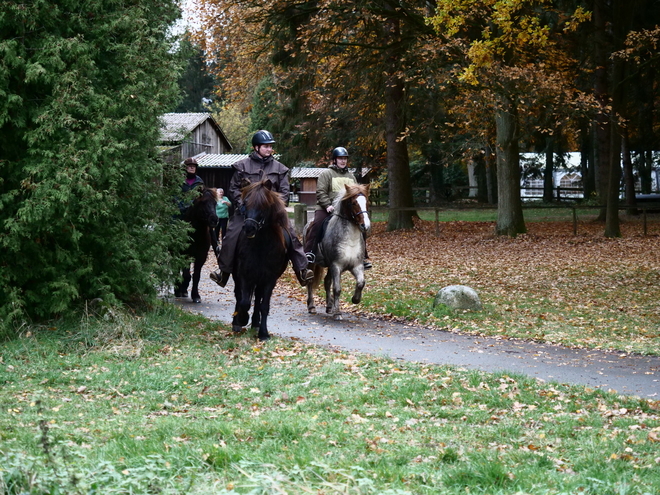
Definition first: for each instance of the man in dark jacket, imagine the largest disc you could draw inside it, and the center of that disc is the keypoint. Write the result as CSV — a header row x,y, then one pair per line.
x,y
259,165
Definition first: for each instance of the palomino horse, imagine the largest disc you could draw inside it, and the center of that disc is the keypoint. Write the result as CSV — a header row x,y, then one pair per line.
x,y
342,248
201,216
260,255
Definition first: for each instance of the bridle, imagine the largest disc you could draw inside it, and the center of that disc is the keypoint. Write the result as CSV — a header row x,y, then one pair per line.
x,y
354,214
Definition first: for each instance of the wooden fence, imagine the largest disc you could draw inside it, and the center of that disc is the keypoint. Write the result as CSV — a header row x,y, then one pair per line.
x,y
302,212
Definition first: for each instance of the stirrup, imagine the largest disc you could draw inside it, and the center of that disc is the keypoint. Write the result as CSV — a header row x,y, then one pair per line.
x,y
311,259
220,280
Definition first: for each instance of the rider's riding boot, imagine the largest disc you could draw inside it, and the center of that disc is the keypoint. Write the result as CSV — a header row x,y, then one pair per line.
x,y
305,277
366,264
220,278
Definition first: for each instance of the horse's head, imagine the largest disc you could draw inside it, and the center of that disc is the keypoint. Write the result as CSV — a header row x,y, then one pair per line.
x,y
202,211
353,205
262,207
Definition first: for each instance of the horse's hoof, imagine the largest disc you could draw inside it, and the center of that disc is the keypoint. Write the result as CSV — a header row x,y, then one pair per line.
x,y
178,293
237,328
328,309
338,317
312,311
197,300
356,300
264,338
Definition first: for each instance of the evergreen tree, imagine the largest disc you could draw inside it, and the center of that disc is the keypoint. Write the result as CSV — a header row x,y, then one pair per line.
x,y
196,82
82,86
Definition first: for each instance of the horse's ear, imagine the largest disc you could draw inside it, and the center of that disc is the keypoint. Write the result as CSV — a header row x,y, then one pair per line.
x,y
244,183
268,184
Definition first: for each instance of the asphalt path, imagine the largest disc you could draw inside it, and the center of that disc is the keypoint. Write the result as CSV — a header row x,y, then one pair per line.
x,y
626,374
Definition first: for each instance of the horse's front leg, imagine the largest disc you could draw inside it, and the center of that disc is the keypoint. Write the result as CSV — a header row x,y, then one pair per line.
x,y
358,273
335,273
241,310
264,309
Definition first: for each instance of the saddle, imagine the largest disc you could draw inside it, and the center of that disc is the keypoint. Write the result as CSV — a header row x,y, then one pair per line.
x,y
318,250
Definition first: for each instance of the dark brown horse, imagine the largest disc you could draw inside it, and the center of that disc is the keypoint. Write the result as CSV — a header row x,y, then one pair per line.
x,y
201,216
342,247
260,255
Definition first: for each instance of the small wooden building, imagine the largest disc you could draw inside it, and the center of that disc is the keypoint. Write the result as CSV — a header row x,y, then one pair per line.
x,y
190,134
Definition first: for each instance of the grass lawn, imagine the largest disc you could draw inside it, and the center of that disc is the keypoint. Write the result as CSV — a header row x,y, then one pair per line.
x,y
170,403
166,402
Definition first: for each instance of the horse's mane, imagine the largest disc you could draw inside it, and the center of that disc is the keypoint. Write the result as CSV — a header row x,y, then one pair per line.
x,y
259,196
349,192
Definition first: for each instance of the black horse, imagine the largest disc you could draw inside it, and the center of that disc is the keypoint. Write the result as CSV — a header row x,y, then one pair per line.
x,y
260,255
201,216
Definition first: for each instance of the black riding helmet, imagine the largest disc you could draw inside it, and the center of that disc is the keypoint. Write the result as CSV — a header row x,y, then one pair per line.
x,y
262,137
339,151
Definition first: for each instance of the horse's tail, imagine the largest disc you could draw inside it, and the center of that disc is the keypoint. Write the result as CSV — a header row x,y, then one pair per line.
x,y
318,276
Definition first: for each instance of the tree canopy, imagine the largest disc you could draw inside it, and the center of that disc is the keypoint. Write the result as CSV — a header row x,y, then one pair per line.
x,y
447,81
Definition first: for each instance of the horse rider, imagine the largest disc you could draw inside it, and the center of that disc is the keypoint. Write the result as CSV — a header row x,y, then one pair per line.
x,y
191,181
259,165
330,183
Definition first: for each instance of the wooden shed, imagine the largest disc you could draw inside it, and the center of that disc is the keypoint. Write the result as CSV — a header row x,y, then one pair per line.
x,y
190,134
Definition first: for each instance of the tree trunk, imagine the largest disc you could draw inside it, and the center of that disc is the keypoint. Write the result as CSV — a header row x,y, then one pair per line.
x,y
549,172
645,169
491,176
628,175
587,165
602,121
472,167
510,219
612,225
398,164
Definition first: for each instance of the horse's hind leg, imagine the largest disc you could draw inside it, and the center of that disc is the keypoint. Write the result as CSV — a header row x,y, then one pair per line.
x,y
256,312
334,274
197,272
182,289
311,288
358,273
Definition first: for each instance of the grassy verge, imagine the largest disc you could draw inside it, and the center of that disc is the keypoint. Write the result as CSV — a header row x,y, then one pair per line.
x,y
171,403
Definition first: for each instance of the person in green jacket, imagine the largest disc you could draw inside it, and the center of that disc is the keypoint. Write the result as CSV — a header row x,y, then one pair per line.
x,y
330,183
222,211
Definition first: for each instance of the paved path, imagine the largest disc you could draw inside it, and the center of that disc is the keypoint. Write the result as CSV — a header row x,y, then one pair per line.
x,y
618,371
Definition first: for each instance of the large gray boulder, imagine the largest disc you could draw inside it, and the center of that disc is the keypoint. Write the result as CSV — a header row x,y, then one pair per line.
x,y
458,297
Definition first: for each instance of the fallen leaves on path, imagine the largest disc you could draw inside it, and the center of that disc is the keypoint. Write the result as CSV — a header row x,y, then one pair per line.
x,y
547,284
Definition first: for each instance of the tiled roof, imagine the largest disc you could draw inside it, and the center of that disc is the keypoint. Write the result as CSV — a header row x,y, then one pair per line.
x,y
177,126
306,173
219,161
315,172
